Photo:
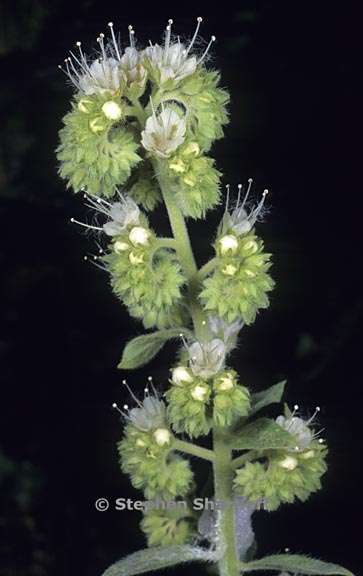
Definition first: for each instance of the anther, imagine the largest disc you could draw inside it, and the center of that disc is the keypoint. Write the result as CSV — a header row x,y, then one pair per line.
x,y
115,407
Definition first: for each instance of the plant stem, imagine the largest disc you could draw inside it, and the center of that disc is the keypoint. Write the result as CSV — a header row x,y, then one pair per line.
x,y
194,450
208,267
222,453
247,457
183,249
223,485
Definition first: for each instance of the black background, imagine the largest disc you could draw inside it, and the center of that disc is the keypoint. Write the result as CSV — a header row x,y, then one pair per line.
x,y
289,69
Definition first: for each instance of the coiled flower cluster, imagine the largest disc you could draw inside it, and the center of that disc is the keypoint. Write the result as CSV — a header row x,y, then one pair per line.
x,y
285,475
146,453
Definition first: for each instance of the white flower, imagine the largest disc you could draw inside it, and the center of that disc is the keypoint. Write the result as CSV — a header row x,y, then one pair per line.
x,y
120,214
207,358
149,414
224,330
298,428
131,66
163,133
102,74
241,220
174,61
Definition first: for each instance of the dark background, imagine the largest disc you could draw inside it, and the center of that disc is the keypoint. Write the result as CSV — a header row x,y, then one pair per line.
x,y
289,69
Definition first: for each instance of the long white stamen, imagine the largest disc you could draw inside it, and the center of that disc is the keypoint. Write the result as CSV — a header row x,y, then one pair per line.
x,y
74,221
131,36
239,194
110,24
124,382
168,35
115,407
227,200
94,263
213,39
317,410
250,180
199,21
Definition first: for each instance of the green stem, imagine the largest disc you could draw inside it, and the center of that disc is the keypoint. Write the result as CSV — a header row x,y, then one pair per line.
x,y
247,457
223,485
194,450
183,249
207,268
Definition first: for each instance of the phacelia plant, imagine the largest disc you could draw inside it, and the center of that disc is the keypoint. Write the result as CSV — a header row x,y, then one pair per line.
x,y
139,133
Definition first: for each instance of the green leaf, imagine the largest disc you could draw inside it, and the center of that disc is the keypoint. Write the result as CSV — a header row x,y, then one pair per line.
x,y
269,396
262,434
158,558
142,349
296,563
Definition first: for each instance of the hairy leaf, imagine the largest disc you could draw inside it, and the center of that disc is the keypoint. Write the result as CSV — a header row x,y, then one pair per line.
x,y
269,396
142,349
158,558
263,434
296,563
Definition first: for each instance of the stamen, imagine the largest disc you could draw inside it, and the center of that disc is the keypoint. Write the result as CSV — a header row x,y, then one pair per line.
x,y
74,221
150,379
317,410
199,21
115,407
124,382
213,39
250,180
110,24
131,36
227,200
239,194
168,35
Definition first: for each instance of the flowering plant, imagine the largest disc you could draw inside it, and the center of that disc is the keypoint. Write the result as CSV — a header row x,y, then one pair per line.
x,y
140,129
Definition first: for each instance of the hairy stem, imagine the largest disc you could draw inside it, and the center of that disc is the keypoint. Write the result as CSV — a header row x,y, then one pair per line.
x,y
247,457
221,456
223,485
183,249
194,450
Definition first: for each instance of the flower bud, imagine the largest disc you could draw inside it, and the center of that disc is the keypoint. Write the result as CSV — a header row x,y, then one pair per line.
x,y
85,105
288,463
225,382
181,375
228,244
112,110
139,236
120,246
162,436
97,125
200,393
229,270
136,258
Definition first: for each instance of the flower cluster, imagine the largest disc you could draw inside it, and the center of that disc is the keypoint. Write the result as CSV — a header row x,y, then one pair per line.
x,y
97,152
238,286
146,278
285,474
197,400
170,526
146,453
109,131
